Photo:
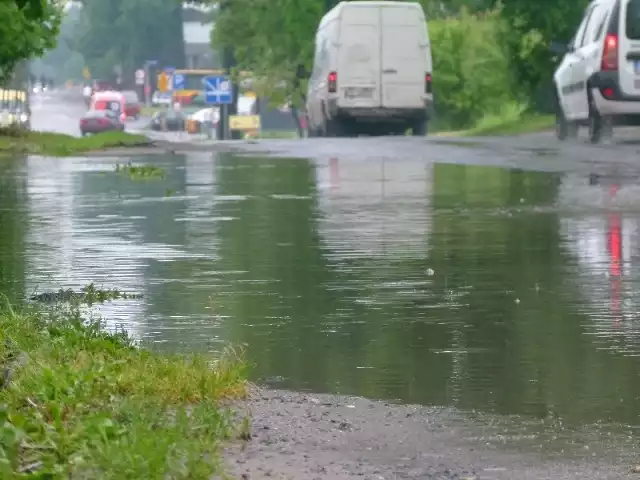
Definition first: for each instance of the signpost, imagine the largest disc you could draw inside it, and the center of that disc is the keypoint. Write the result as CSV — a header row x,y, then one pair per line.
x,y
218,90
147,84
140,77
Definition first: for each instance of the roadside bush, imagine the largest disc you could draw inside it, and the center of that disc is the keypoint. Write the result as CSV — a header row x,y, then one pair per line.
x,y
471,71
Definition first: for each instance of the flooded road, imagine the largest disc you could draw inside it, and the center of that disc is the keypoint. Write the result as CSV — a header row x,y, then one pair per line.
x,y
487,289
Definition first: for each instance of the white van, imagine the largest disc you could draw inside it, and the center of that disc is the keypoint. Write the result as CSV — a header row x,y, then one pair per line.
x,y
371,71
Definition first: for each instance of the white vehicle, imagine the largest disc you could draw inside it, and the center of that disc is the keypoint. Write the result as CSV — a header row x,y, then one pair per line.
x,y
371,71
598,81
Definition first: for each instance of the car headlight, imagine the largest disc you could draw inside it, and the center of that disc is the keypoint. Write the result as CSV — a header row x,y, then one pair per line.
x,y
24,118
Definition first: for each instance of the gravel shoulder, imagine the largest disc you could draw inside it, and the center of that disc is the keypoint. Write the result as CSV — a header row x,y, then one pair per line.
x,y
318,437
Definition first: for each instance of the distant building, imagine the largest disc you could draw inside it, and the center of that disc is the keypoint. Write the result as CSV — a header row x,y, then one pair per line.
x,y
197,24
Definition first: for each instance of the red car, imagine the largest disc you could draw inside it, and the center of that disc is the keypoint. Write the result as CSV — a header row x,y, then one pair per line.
x,y
132,104
98,121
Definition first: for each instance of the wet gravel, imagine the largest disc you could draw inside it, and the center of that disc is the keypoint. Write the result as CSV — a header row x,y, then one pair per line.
x,y
318,437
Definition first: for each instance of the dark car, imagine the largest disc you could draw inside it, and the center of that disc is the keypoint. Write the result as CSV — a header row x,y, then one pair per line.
x,y
172,120
97,121
132,104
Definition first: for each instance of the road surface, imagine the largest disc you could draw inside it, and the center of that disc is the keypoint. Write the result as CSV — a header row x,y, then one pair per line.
x,y
60,111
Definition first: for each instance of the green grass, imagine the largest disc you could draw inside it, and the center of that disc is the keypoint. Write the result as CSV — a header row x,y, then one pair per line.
x,y
513,119
140,172
81,403
57,144
149,111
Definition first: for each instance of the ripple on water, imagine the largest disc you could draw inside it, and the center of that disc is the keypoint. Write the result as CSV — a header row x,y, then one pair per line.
x,y
528,312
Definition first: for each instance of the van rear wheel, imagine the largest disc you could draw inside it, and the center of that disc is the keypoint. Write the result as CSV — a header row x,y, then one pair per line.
x,y
419,128
334,128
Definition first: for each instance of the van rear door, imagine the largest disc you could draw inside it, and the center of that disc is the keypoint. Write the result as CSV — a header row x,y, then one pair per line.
x,y
359,56
406,56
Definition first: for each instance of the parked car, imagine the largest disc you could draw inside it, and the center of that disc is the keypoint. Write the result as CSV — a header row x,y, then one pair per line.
x,y
97,121
132,104
172,120
110,100
597,84
372,70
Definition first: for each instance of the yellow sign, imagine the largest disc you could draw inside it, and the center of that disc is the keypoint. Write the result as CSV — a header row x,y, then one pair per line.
x,y
163,82
85,73
244,122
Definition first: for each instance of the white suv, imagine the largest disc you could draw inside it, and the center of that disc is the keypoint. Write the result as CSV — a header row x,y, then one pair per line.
x,y
598,82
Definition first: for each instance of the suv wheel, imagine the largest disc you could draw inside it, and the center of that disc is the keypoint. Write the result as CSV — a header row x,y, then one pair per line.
x,y
564,128
598,125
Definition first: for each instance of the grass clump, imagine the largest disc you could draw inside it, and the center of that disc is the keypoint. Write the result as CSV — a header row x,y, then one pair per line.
x,y
140,172
511,119
88,295
13,140
78,402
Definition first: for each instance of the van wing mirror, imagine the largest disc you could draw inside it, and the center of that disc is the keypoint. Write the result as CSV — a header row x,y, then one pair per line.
x,y
560,48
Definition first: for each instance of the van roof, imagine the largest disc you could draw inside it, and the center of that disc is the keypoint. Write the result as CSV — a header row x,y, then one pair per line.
x,y
360,4
385,3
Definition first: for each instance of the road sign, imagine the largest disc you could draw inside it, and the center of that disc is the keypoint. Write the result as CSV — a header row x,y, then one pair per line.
x,y
140,77
178,81
218,90
85,73
244,122
163,82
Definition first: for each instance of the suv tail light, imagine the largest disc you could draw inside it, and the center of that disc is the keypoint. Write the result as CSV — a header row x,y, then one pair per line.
x,y
427,83
610,53
332,82
123,117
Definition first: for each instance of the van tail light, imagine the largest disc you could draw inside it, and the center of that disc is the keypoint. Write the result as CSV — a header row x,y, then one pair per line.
x,y
332,82
427,83
610,53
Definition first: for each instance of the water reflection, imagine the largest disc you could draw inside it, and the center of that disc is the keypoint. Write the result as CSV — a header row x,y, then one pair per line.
x,y
500,290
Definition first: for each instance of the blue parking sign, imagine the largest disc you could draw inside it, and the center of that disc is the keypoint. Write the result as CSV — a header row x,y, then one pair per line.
x,y
178,81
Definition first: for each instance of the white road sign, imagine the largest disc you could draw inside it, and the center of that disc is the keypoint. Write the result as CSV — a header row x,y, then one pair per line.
x,y
140,77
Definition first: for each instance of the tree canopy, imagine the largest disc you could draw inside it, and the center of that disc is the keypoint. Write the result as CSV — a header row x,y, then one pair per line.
x,y
120,35
28,29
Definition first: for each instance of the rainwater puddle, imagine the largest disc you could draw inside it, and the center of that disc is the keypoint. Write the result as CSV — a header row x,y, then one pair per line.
x,y
484,289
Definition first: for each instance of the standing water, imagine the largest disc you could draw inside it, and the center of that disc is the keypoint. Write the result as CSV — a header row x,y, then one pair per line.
x,y
482,288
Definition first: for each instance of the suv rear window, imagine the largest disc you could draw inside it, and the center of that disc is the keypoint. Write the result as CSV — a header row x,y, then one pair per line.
x,y
633,20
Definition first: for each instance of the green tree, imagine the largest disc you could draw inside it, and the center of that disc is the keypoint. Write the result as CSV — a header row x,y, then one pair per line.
x,y
26,32
63,62
530,28
121,34
271,39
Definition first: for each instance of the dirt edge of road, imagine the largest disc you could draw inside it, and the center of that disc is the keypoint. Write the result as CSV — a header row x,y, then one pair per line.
x,y
327,437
